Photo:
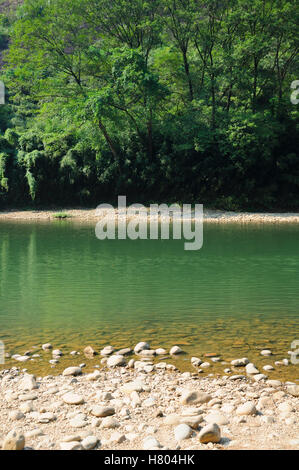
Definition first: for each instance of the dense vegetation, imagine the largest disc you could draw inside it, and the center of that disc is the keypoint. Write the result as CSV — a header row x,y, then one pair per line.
x,y
161,100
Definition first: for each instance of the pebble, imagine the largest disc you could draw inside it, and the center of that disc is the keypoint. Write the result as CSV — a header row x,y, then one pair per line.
x,y
73,398
102,411
194,397
247,408
175,350
72,371
251,369
217,418
115,361
89,442
266,352
14,441
75,445
109,423
151,443
141,347
210,433
182,431
107,350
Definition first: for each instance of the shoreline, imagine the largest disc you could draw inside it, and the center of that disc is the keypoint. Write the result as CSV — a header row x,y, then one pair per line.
x,y
216,216
132,403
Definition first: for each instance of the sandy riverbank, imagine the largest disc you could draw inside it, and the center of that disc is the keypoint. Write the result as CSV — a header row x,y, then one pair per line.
x,y
215,216
137,404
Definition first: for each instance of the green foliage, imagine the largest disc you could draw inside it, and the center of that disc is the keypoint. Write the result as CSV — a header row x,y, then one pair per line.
x,y
164,100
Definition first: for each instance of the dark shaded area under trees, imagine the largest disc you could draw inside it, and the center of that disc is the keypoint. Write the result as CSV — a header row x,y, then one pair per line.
x,y
160,100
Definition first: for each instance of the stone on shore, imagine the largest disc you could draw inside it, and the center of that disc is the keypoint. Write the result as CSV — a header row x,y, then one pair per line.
x,y
109,423
72,371
116,361
251,369
182,431
210,433
89,351
247,408
175,350
89,442
193,397
293,390
107,350
72,445
72,398
102,411
14,441
240,362
266,352
28,383
141,347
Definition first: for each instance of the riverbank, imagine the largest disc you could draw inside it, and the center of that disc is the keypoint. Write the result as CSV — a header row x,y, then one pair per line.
x,y
209,216
130,402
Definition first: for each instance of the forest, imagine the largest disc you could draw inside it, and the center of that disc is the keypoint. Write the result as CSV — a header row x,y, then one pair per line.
x,y
160,100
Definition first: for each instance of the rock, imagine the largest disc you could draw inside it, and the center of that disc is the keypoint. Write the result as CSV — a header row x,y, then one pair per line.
x,y
109,423
217,418
210,433
131,363
135,386
45,417
15,415
73,445
124,352
285,407
71,438
28,383
182,431
72,371
251,369
102,411
107,351
141,347
21,358
47,346
237,377
57,353
161,352
150,443
117,438
240,362
73,398
204,365
147,353
259,377
93,376
192,421
268,367
195,361
175,350
14,441
34,433
116,361
172,420
89,351
79,421
26,407
293,390
247,408
266,352
274,383
194,397
89,442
